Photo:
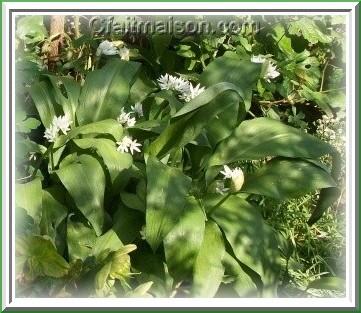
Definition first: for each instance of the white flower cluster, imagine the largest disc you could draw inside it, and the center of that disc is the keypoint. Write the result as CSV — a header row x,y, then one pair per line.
x,y
332,130
126,119
185,89
108,48
236,176
271,69
61,123
127,144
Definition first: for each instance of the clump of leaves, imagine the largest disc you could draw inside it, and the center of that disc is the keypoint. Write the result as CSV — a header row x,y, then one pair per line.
x,y
135,192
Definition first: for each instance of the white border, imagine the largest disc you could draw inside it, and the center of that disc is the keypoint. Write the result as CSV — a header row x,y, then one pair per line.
x,y
348,301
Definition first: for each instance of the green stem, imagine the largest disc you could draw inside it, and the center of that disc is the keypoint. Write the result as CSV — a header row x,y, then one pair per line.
x,y
219,203
51,158
37,166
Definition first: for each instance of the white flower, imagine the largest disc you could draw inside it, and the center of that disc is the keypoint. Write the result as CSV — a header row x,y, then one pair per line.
x,y
227,172
236,176
134,146
258,58
271,72
59,123
128,145
184,87
51,133
125,119
131,122
124,54
191,93
62,123
169,82
107,48
137,108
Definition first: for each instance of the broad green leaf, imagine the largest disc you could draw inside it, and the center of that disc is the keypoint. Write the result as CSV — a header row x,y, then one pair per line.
x,y
24,124
28,196
105,91
53,211
208,268
263,137
186,127
102,283
85,182
133,201
114,160
31,29
207,96
329,283
44,102
182,243
251,239
167,188
127,224
240,280
106,243
307,28
80,240
141,291
328,102
242,73
42,259
287,178
105,127
66,93
327,197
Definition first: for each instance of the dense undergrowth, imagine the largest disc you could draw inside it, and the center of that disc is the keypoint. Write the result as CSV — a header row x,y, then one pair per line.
x,y
185,165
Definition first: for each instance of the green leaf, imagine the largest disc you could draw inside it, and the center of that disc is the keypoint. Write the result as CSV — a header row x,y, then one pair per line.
x,y
53,211
190,122
127,224
141,291
242,73
240,280
287,178
80,240
106,243
132,201
207,96
167,188
208,268
252,240
66,93
114,160
102,283
42,259
307,28
24,124
105,91
329,283
326,198
31,29
85,182
44,102
264,137
182,243
29,197
111,127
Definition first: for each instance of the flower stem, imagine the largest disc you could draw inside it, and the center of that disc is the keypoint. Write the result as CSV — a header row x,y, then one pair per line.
x,y
219,203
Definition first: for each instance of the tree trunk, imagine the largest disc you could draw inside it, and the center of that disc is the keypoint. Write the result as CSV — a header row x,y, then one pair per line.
x,y
56,28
